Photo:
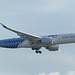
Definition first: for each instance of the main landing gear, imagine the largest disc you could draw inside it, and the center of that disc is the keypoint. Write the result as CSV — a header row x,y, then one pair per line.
x,y
37,50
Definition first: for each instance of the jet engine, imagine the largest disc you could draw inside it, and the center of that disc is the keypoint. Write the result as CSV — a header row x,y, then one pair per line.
x,y
53,47
47,40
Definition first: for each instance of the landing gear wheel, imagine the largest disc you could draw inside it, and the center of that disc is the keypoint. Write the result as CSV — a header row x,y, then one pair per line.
x,y
33,49
36,51
40,52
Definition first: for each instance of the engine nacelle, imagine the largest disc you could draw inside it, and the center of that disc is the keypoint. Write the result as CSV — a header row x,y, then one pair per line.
x,y
53,47
47,40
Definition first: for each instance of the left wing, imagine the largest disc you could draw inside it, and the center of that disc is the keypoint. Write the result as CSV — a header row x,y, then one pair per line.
x,y
31,38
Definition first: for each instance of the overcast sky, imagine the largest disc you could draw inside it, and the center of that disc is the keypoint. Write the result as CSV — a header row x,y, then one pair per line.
x,y
38,17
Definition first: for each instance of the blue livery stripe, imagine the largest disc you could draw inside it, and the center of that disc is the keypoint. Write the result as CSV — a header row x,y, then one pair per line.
x,y
52,36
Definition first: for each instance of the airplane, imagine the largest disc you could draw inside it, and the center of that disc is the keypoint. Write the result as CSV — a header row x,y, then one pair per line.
x,y
50,42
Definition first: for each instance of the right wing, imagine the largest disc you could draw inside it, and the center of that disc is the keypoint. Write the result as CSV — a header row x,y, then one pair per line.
x,y
31,38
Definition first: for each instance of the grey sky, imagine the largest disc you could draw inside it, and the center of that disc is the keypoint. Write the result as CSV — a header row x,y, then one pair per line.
x,y
41,17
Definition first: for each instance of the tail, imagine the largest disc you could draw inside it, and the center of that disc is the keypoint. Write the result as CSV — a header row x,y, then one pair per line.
x,y
11,43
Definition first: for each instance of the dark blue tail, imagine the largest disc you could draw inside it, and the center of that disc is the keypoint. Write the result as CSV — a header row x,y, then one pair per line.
x,y
11,43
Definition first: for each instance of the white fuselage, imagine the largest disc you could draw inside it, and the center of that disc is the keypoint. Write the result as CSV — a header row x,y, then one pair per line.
x,y
64,38
56,39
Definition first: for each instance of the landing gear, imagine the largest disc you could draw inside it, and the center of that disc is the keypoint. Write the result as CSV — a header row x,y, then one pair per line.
x,y
40,52
33,48
37,50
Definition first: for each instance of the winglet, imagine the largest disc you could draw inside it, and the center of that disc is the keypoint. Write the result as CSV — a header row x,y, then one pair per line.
x,y
3,25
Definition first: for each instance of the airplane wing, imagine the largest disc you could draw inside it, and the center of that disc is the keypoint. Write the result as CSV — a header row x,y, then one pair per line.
x,y
31,38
